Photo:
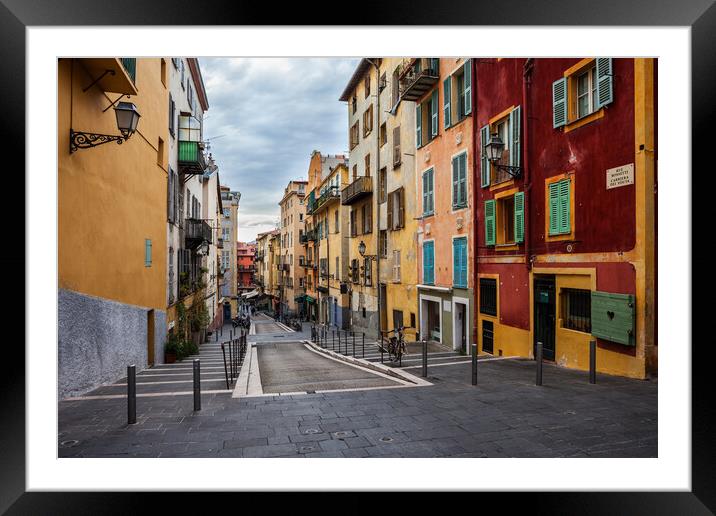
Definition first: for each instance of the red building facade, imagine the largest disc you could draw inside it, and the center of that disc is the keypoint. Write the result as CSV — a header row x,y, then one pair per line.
x,y
245,256
566,227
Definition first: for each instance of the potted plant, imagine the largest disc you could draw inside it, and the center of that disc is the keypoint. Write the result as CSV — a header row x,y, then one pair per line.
x,y
171,348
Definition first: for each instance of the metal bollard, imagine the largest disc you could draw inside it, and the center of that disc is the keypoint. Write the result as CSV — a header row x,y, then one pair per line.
x,y
381,347
538,358
197,385
354,345
474,364
592,361
333,338
231,363
226,373
363,347
425,359
216,336
131,395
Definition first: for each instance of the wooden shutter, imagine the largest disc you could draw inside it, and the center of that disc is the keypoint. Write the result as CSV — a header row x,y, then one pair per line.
x,y
431,191
519,217
484,162
515,124
459,254
418,125
434,113
462,179
564,207
559,102
390,211
490,222
554,208
425,192
170,196
455,180
401,208
428,262
446,101
467,72
605,94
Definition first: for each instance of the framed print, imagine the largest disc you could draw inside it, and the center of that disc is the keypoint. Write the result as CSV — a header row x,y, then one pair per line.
x,y
267,245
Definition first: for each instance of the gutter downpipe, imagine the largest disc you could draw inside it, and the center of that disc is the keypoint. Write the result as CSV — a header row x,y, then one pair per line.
x,y
475,190
526,82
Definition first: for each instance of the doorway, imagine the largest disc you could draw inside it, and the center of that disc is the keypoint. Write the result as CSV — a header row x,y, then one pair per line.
x,y
150,337
460,340
227,312
431,320
544,315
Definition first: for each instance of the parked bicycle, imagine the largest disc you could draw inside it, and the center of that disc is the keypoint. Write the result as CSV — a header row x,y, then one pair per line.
x,y
395,345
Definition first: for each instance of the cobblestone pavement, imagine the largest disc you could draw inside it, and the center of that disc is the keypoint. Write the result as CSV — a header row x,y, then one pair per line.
x,y
505,415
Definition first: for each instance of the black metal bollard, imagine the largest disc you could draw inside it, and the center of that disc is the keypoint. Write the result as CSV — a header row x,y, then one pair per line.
x,y
381,347
425,359
226,373
333,338
538,358
339,342
363,347
197,385
231,363
592,361
216,336
354,345
131,395
474,364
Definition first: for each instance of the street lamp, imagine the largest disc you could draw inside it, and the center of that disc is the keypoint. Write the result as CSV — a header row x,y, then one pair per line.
x,y
494,149
361,250
127,120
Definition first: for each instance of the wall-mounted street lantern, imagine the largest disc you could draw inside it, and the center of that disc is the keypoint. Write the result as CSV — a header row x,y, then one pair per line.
x,y
361,250
127,120
494,149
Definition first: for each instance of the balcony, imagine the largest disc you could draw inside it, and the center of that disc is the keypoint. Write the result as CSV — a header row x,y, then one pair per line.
x,y
283,267
191,158
418,80
196,232
220,243
331,194
358,189
113,74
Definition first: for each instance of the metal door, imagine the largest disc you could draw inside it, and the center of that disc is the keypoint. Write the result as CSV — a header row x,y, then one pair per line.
x,y
544,315
488,332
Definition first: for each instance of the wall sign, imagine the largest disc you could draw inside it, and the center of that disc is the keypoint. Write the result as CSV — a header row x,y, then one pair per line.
x,y
620,176
447,306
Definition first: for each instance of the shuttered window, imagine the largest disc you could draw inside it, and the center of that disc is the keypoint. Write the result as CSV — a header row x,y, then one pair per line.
x,y
559,208
172,115
428,198
605,94
484,162
434,113
490,222
467,72
419,125
459,181
519,217
459,255
428,263
559,102
515,125
446,101
147,252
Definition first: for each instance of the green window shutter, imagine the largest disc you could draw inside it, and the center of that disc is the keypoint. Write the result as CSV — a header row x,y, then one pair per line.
x,y
435,65
559,102
418,125
554,208
490,222
519,217
425,192
455,182
564,206
446,102
434,113
484,163
431,192
515,125
605,94
460,181
467,71
147,252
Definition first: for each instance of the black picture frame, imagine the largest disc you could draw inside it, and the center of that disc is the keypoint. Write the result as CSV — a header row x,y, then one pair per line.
x,y
17,15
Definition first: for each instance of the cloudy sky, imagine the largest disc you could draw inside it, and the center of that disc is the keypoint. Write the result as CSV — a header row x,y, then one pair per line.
x,y
266,116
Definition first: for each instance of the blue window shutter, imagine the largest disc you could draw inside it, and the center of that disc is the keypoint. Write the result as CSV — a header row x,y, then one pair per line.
x,y
490,222
434,113
559,102
426,192
456,277
431,191
147,252
446,101
428,263
519,217
418,125
554,209
484,162
462,186
515,123
605,94
460,262
455,182
435,64
467,71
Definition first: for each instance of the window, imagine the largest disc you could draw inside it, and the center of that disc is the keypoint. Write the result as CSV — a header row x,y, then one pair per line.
x,y
457,91
395,87
337,269
354,135
396,209
382,185
164,72
172,115
383,134
429,263
366,85
335,223
354,104
368,271
367,165
459,256
383,244
354,270
355,172
428,198
397,156
576,310
397,318
585,89
368,121
504,219
509,130
367,217
488,296
160,152
182,73
354,226
426,120
559,207
396,265
459,181
147,252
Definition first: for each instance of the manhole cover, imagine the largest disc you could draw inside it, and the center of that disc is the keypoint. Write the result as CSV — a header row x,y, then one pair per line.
x,y
386,439
311,431
341,435
70,443
306,449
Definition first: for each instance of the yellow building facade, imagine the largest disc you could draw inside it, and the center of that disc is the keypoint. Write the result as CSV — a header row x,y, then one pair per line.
x,y
111,222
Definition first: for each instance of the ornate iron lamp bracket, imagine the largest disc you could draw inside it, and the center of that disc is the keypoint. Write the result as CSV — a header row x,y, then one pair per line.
x,y
515,172
82,140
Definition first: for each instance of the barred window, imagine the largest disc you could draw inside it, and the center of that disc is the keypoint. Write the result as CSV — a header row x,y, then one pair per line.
x,y
576,309
488,296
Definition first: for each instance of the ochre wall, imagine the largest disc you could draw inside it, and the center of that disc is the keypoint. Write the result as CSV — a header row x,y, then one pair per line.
x,y
112,197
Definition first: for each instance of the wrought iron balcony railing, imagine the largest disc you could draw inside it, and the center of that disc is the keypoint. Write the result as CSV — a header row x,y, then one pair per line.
x,y
419,79
196,232
358,189
191,158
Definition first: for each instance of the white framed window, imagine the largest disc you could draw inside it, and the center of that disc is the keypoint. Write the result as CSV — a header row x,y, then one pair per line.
x,y
396,265
587,92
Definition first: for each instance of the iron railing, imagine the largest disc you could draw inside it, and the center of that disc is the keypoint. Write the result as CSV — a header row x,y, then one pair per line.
x,y
359,188
130,66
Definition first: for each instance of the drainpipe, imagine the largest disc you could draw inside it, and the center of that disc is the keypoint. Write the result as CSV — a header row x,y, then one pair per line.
x,y
526,82
475,191
377,206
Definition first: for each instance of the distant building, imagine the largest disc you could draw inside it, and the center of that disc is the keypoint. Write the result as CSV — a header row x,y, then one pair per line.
x,y
293,213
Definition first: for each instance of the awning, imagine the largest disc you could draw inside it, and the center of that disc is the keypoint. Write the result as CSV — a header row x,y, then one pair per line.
x,y
251,294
